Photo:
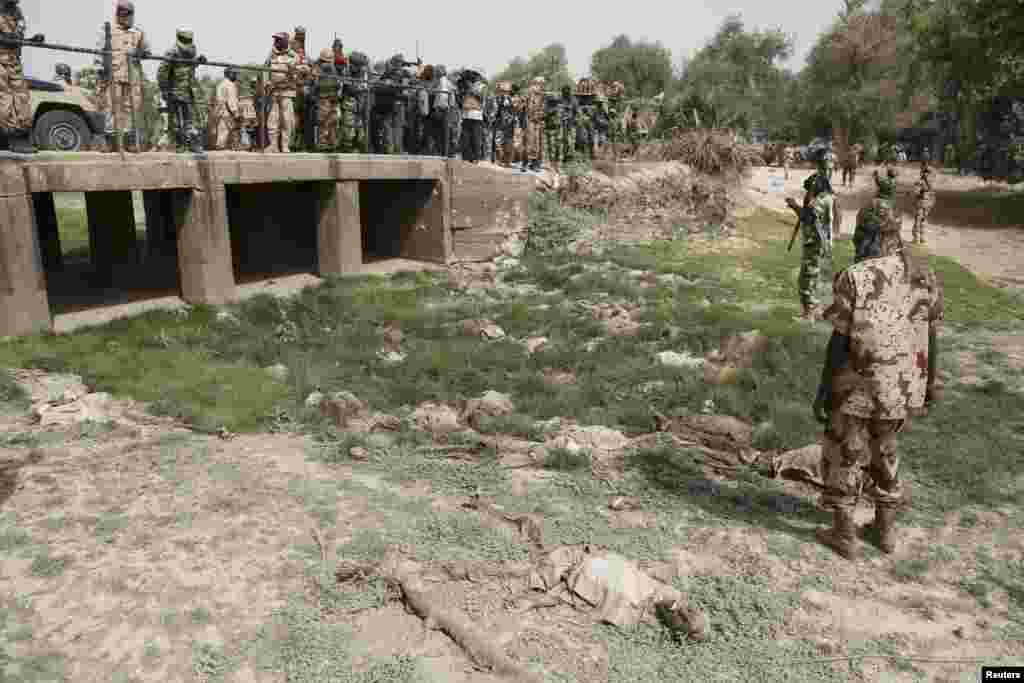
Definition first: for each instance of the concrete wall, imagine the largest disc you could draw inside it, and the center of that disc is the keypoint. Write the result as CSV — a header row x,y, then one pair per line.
x,y
213,214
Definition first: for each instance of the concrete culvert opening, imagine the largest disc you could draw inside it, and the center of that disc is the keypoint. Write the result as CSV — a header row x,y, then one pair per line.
x,y
400,219
273,229
102,249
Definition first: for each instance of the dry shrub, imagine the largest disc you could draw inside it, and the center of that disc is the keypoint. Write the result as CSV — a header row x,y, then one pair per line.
x,y
711,152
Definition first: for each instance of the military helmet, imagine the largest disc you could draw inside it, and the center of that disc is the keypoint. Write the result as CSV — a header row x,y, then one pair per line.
x,y
300,30
585,86
230,71
616,89
358,59
503,87
566,90
337,44
184,38
124,8
327,55
397,61
63,70
538,80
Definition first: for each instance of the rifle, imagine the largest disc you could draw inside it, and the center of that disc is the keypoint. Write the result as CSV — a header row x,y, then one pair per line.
x,y
791,203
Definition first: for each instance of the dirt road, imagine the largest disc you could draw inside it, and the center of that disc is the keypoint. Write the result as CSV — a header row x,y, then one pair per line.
x,y
971,235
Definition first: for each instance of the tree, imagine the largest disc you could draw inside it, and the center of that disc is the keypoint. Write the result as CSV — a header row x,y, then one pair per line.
x,y
644,68
735,81
550,62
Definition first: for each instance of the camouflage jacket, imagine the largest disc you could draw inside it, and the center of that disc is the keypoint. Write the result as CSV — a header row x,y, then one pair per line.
x,y
923,189
887,312
817,222
12,22
535,105
875,215
177,79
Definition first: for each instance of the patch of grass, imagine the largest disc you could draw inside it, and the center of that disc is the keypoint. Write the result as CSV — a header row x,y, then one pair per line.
x,y
990,575
19,440
151,650
225,471
300,644
11,393
911,569
109,524
12,538
45,565
515,424
553,226
199,615
210,661
168,616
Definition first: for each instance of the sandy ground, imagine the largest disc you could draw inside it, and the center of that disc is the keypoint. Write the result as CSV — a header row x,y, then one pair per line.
x,y
994,254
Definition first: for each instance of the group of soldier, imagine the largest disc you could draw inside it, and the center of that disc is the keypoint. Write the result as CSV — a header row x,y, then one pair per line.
x,y
333,102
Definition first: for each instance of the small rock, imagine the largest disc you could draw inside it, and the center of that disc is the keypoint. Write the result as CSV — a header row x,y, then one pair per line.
x,y
720,374
651,387
314,400
391,356
359,453
278,371
679,360
226,317
482,328
491,404
534,344
342,407
827,646
436,418
959,632
620,503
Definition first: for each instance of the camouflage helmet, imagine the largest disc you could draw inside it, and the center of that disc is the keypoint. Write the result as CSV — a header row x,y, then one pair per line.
x,y
358,59
184,39
503,87
327,55
616,89
299,31
230,71
586,86
538,80
397,61
63,71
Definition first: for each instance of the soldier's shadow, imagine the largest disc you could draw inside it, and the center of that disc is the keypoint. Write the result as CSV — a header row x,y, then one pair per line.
x,y
750,498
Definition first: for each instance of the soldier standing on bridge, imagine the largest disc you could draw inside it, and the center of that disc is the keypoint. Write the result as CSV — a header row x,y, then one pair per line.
x,y
15,101
123,85
534,122
284,79
227,112
177,81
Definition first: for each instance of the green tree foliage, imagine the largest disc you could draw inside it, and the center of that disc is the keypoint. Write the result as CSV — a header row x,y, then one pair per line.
x,y
735,80
551,62
644,68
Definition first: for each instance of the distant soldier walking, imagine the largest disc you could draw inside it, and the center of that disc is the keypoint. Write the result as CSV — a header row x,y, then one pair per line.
x,y
925,197
879,371
850,163
788,157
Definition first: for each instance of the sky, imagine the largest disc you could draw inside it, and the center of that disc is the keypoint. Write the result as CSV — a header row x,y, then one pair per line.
x,y
462,33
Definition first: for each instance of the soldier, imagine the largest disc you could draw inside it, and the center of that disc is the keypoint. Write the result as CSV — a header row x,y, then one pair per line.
x,y
519,126
584,139
816,239
570,116
305,123
177,82
602,123
15,100
534,122
850,163
327,92
879,371
925,201
389,109
471,89
355,105
418,108
282,89
440,103
788,157
505,123
227,112
122,87
553,149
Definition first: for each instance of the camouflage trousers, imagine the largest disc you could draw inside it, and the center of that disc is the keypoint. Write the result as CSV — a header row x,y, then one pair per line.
x,y
15,100
281,124
921,212
534,134
346,124
810,266
327,122
389,130
504,146
119,102
859,457
228,134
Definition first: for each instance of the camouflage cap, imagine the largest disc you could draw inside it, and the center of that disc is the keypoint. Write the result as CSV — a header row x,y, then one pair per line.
x,y
280,36
539,80
327,55
300,30
125,7
886,186
184,36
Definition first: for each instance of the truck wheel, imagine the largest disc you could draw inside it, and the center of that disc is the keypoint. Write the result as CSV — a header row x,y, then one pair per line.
x,y
63,131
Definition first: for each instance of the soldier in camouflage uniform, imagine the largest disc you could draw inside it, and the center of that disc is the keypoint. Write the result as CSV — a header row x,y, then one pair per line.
x,y
519,127
355,106
553,131
602,123
850,163
925,201
879,371
286,75
535,122
504,118
177,83
816,239
15,100
327,91
570,118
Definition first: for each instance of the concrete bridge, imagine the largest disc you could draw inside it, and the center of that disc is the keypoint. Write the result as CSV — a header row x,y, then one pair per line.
x,y
208,218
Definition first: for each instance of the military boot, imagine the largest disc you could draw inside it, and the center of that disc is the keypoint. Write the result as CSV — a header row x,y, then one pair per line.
x,y
21,141
842,537
880,533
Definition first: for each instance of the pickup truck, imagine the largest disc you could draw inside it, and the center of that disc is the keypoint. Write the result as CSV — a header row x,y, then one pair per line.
x,y
64,117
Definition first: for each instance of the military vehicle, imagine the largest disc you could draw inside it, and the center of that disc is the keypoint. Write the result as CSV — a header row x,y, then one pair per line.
x,y
64,117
